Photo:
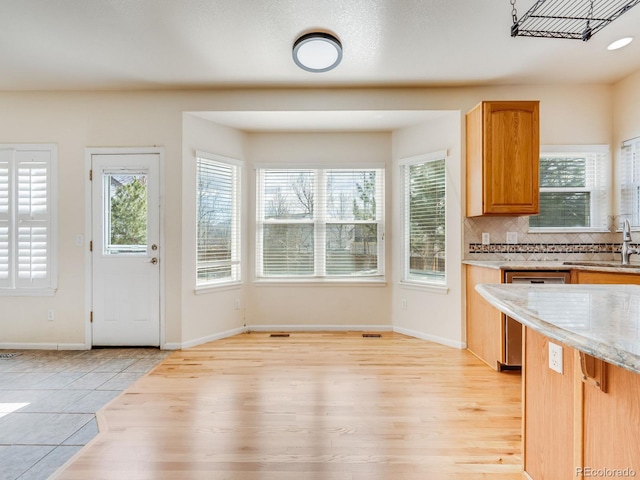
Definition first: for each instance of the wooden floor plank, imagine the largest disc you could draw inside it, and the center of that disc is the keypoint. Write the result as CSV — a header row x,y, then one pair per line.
x,y
330,406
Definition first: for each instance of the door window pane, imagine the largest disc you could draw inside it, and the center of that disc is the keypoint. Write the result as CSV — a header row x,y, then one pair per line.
x,y
126,213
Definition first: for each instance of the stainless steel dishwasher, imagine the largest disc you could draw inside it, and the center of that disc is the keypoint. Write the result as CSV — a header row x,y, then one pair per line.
x,y
512,329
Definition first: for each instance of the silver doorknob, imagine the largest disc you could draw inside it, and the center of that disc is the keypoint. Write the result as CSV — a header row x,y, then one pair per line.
x,y
154,260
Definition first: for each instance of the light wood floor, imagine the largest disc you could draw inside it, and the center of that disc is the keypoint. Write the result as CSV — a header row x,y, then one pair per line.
x,y
312,406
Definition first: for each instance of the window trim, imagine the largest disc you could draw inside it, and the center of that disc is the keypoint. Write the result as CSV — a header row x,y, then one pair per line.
x,y
414,281
625,172
52,224
599,191
320,171
236,252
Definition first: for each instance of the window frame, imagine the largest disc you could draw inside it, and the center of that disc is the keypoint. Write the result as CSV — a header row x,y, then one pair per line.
x,y
13,286
236,264
599,197
319,222
630,169
408,278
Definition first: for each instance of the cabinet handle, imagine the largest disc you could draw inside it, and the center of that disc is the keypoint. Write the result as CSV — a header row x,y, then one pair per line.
x,y
594,371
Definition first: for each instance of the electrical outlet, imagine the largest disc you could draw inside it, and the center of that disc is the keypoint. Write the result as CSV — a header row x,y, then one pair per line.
x,y
237,304
50,315
555,357
404,303
512,237
486,238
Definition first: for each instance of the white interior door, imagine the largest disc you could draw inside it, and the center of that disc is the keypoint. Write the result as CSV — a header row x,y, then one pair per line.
x,y
125,253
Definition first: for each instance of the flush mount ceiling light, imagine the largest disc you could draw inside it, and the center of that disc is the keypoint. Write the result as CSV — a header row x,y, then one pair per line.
x,y
317,52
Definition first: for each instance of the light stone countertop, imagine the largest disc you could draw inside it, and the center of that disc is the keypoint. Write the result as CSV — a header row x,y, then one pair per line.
x,y
598,266
600,320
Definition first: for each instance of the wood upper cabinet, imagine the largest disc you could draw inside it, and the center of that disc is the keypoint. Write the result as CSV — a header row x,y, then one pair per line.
x,y
503,157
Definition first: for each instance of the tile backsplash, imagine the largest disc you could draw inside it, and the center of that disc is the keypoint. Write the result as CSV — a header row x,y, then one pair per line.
x,y
536,246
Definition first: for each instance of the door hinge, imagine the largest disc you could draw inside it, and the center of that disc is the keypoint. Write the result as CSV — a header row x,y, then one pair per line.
x,y
91,317
90,175
91,245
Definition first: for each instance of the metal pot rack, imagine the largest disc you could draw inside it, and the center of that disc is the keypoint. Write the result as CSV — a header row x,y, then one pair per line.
x,y
574,19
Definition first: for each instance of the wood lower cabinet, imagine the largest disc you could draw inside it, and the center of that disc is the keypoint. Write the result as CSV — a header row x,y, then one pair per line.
x,y
611,417
503,157
548,411
484,322
612,425
589,276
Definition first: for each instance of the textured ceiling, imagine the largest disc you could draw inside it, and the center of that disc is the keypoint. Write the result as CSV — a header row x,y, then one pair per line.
x,y
166,44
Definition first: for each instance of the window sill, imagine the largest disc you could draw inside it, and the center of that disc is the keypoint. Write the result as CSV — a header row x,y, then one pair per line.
x,y
39,292
320,282
220,287
424,287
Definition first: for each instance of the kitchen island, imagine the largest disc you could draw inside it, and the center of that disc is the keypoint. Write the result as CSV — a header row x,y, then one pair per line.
x,y
581,377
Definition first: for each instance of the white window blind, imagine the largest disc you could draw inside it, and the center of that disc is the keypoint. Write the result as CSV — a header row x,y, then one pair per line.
x,y
218,220
630,182
320,222
26,218
424,205
573,189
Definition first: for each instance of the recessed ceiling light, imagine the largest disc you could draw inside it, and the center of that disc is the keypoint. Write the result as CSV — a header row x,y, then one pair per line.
x,y
317,52
623,42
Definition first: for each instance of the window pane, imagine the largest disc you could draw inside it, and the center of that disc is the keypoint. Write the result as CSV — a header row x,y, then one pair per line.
x,y
426,220
32,253
288,194
570,209
288,249
217,229
126,214
351,195
352,249
563,172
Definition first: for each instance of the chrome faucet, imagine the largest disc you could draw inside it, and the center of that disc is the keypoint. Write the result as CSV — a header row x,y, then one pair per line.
x,y
627,250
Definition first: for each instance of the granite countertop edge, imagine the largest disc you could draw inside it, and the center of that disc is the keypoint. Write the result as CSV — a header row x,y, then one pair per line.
x,y
607,350
597,266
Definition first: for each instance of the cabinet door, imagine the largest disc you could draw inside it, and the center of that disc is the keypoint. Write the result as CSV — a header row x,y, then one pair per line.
x,y
587,276
612,424
511,158
484,322
548,411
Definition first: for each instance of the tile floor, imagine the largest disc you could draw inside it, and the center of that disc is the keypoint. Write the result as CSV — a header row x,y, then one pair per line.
x,y
48,401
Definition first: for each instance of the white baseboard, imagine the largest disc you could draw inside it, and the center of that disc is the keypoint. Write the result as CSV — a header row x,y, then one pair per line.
x,y
319,328
200,341
431,338
43,346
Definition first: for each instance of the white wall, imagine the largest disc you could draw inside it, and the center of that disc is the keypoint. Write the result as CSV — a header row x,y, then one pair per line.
x,y
318,304
432,314
212,313
77,120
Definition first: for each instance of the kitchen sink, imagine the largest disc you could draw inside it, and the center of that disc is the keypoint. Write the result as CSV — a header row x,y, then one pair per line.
x,y
602,264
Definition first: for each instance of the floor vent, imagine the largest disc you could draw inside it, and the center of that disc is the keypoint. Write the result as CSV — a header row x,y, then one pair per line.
x,y
371,335
279,335
6,356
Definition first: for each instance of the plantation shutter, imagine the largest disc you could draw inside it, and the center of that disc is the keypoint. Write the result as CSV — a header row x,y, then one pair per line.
x,y
425,219
218,225
6,158
33,218
630,188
